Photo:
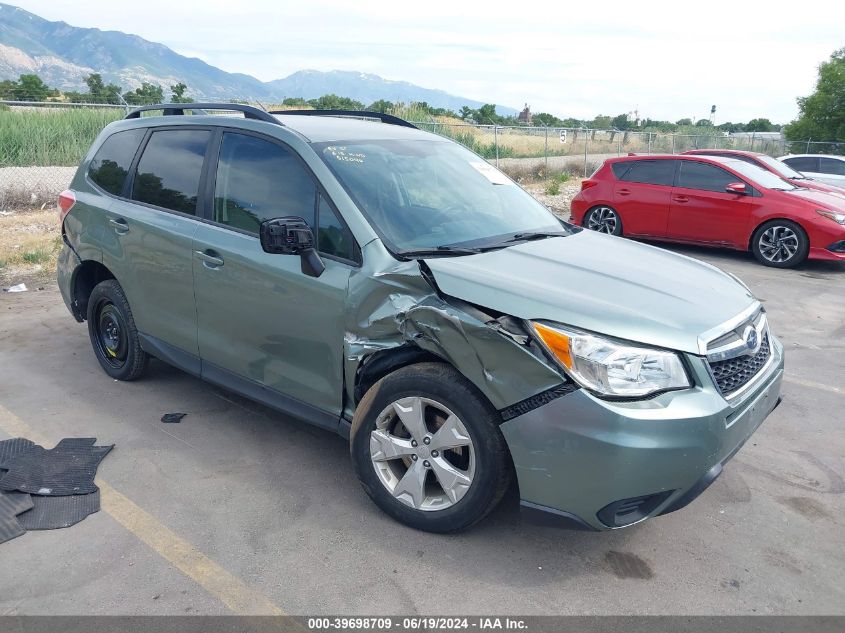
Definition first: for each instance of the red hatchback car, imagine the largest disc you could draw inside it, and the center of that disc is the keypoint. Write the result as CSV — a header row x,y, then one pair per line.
x,y
778,168
712,201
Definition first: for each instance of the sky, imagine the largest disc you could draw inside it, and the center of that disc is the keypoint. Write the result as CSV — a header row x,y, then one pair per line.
x,y
668,60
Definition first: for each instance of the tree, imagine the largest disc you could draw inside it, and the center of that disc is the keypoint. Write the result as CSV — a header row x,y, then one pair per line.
x,y
294,101
821,116
146,94
467,113
621,122
31,88
334,102
681,122
759,125
98,92
487,114
381,105
704,123
177,93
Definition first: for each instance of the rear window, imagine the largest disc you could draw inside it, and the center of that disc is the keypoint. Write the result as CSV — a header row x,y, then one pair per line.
x,y
832,166
168,173
111,163
651,172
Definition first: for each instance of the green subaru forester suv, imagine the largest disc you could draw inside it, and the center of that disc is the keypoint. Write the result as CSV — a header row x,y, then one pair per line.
x,y
388,284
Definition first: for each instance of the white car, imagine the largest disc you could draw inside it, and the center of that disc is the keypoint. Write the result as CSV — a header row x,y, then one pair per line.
x,y
823,167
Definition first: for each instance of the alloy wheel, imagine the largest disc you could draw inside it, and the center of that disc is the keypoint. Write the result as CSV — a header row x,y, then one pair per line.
x,y
422,453
778,244
603,220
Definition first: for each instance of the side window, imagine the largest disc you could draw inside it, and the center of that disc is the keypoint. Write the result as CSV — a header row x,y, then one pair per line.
x,y
832,166
168,173
694,175
333,238
651,172
111,163
803,163
258,180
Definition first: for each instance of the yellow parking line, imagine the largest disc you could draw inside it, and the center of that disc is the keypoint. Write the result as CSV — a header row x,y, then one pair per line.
x,y
216,580
814,385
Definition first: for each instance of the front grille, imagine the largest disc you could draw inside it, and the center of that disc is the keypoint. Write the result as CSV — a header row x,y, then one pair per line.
x,y
732,374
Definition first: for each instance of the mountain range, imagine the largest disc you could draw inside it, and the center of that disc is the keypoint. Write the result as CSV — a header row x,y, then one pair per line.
x,y
64,55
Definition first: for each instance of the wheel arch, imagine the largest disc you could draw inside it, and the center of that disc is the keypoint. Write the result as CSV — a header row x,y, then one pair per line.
x,y
750,241
86,276
379,364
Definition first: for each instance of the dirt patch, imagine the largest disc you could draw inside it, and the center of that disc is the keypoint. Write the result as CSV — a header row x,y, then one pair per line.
x,y
29,244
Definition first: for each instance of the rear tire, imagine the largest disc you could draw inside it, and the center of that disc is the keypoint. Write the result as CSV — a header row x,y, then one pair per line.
x,y
113,334
780,244
444,464
603,219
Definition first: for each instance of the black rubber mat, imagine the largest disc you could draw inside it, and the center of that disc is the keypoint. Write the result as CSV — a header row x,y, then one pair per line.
x,y
52,513
11,505
67,469
12,448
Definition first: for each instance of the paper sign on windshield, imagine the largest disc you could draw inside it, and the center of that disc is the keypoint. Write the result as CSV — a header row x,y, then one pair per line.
x,y
491,173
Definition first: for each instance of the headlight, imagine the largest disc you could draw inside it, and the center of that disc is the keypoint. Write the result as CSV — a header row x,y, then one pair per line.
x,y
612,368
839,218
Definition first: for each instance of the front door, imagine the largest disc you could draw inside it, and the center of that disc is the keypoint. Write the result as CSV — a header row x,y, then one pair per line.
x,y
263,325
701,209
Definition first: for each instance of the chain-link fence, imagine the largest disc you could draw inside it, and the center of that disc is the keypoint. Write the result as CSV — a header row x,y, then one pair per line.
x,y
41,145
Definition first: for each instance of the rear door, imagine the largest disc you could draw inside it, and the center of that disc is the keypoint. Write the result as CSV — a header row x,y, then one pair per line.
x,y
265,327
152,230
702,211
642,193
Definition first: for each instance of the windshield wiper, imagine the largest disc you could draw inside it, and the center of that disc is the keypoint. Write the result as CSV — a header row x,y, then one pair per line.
x,y
439,251
535,235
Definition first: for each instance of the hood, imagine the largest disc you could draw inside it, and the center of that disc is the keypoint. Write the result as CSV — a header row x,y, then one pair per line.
x,y
826,200
600,283
815,185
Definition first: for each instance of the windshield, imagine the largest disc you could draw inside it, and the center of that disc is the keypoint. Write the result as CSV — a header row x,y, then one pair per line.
x,y
760,176
784,170
426,195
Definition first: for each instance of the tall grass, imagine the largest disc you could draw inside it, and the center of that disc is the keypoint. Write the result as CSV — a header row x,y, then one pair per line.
x,y
48,137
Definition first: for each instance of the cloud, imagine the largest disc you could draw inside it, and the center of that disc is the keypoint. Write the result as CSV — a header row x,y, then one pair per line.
x,y
669,59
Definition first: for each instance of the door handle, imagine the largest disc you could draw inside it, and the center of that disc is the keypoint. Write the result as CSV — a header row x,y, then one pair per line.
x,y
210,259
680,199
624,192
119,225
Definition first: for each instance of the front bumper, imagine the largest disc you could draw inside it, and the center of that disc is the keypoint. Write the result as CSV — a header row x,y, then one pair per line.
x,y
584,461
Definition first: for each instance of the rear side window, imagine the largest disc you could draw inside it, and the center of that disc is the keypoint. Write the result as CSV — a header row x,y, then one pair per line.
x,y
258,180
694,175
803,163
168,173
832,166
651,172
110,165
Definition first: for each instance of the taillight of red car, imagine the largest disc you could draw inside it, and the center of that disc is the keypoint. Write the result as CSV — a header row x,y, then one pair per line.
x,y
66,201
586,184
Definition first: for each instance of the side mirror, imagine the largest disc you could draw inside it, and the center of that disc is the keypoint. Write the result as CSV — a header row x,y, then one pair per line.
x,y
292,236
737,188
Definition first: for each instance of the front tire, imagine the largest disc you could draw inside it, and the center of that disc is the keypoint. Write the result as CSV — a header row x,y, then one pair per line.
x,y
780,244
113,334
603,219
427,448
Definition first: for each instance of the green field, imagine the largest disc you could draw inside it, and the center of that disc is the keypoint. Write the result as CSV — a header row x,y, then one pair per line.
x,y
50,137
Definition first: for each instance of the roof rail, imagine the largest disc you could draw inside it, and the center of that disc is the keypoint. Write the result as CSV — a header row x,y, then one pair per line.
x,y
179,108
361,114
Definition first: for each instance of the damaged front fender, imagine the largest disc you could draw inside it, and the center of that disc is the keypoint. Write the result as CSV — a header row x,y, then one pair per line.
x,y
398,307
